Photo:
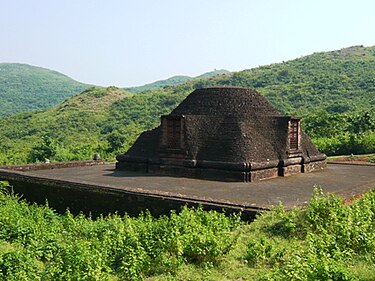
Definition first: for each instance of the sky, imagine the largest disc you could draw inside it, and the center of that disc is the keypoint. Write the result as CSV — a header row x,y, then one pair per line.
x,y
128,43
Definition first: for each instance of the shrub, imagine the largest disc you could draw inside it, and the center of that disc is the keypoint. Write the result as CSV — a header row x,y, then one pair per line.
x,y
263,251
76,247
19,265
46,149
332,235
309,266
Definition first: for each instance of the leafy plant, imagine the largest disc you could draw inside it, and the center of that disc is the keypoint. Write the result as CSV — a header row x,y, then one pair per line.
x,y
262,251
48,246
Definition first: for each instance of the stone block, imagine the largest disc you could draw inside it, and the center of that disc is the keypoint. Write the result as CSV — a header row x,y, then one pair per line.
x,y
258,175
314,166
291,170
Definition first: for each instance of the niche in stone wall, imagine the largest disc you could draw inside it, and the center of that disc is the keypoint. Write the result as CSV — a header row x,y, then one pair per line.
x,y
173,134
294,134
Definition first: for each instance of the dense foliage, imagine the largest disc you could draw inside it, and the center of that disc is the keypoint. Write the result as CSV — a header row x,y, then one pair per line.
x,y
25,88
337,241
328,240
36,243
342,133
333,91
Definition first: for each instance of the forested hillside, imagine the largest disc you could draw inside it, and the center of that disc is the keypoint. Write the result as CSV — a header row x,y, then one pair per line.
x,y
175,80
338,81
28,88
69,131
334,91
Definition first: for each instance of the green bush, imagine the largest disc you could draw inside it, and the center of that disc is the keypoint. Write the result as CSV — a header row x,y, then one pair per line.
x,y
327,240
45,150
263,251
332,233
310,266
49,246
19,265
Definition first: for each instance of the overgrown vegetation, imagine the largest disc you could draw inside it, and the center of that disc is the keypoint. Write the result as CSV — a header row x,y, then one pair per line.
x,y
342,133
25,88
36,243
328,240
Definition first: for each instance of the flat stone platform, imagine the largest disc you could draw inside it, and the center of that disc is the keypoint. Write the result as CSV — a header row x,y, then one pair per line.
x,y
345,180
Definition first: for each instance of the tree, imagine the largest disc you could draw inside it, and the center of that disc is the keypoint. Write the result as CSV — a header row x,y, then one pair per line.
x,y
46,149
116,141
362,122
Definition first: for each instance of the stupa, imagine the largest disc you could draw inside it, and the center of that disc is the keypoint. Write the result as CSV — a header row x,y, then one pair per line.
x,y
224,134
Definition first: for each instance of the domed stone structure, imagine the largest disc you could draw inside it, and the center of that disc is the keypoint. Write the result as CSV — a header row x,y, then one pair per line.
x,y
225,134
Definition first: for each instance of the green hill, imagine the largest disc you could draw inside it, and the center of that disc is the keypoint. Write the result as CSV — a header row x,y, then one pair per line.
x,y
175,80
28,88
335,91
337,81
74,127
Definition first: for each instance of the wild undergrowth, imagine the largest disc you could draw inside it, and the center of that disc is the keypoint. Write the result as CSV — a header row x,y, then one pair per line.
x,y
38,244
328,240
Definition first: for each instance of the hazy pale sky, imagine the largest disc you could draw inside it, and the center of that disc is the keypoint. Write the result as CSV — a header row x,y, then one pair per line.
x,y
128,43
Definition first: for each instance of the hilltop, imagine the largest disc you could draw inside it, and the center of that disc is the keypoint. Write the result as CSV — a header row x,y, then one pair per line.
x,y
337,81
172,81
29,88
335,91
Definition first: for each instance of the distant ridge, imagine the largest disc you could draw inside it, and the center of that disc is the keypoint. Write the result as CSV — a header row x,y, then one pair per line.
x,y
174,80
25,87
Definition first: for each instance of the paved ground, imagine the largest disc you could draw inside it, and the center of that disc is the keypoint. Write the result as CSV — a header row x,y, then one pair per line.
x,y
346,180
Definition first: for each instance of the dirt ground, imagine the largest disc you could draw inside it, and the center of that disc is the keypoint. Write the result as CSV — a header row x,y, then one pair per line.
x,y
354,159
